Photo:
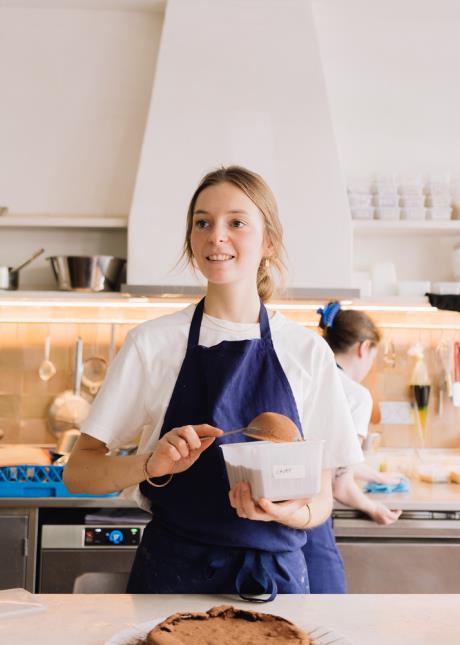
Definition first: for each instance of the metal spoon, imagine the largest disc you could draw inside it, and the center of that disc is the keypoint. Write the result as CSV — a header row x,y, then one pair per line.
x,y
47,368
269,426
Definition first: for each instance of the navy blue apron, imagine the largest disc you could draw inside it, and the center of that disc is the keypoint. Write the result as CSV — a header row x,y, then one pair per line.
x,y
195,542
326,573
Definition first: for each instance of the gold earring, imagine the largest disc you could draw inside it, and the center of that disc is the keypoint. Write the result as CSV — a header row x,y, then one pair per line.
x,y
267,263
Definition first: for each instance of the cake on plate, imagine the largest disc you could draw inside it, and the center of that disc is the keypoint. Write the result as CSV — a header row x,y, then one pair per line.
x,y
226,625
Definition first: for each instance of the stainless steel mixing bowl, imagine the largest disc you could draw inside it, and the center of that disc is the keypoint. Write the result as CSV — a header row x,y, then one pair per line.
x,y
88,273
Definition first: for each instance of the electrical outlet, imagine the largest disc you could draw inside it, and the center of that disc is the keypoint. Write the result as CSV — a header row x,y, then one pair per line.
x,y
396,412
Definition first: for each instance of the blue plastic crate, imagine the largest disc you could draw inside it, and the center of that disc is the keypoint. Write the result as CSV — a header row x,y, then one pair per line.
x,y
36,481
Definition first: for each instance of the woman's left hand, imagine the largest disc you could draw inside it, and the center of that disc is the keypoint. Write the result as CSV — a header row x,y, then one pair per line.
x,y
263,510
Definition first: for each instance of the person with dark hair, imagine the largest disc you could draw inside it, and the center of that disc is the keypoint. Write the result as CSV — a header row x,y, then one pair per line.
x,y
353,337
188,378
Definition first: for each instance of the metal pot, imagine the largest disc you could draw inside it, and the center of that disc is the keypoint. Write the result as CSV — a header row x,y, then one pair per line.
x,y
9,279
9,276
88,273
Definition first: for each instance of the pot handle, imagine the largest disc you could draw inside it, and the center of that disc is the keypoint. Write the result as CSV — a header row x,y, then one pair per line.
x,y
28,261
78,369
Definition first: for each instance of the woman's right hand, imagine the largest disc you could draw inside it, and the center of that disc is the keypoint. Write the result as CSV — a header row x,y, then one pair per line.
x,y
381,514
179,448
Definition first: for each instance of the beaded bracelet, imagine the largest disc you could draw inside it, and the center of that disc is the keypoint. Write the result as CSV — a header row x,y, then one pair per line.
x,y
147,476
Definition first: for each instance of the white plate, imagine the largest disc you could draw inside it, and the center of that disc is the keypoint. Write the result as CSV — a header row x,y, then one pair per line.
x,y
132,635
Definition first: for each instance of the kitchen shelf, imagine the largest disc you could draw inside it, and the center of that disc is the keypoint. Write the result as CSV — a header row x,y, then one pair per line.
x,y
49,307
64,221
406,227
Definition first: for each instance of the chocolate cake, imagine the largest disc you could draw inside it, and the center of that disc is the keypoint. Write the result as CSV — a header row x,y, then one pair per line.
x,y
226,625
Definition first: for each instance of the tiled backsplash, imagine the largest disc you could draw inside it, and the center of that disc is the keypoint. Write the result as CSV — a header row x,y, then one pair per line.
x,y
389,381
25,399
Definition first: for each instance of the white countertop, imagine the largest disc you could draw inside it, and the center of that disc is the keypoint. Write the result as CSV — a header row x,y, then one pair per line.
x,y
363,619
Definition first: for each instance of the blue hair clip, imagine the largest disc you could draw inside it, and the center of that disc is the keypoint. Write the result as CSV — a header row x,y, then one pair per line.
x,y
328,314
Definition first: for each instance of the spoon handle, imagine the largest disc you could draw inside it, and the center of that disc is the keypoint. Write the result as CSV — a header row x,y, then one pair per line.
x,y
237,431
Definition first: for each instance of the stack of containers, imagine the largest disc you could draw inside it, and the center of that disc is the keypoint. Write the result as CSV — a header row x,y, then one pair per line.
x,y
439,198
385,197
360,198
412,197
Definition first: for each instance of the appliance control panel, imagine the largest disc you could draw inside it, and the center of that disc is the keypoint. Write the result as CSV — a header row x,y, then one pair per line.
x,y
91,536
112,536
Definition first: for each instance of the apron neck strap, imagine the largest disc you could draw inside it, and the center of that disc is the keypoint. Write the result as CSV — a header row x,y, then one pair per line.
x,y
194,333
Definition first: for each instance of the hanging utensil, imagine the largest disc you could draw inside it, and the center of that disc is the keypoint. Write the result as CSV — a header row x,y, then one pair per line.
x,y
444,352
94,368
94,371
389,353
112,345
70,409
47,368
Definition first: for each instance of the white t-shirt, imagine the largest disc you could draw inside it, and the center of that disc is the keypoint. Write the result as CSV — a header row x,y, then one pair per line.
x,y
139,383
360,402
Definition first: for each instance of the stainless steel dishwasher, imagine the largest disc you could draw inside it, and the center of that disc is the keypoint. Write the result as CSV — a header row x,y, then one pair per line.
x,y
104,543
420,553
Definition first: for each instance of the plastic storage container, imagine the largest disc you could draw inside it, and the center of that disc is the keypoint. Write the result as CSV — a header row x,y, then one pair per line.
x,y
439,212
387,212
383,183
386,199
413,287
360,199
362,212
439,200
410,185
359,185
446,288
412,201
276,471
414,212
437,187
36,481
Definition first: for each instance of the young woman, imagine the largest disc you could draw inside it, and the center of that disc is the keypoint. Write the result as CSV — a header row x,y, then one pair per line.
x,y
189,377
353,337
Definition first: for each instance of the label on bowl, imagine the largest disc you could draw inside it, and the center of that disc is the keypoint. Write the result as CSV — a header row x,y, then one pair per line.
x,y
285,471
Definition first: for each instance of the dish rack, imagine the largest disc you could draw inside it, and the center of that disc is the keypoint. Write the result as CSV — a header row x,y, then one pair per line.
x,y
36,481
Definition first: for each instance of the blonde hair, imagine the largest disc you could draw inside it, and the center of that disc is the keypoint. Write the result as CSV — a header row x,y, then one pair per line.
x,y
254,187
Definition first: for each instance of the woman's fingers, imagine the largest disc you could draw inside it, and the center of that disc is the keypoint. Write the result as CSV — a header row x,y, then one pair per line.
x,y
241,500
205,430
189,435
280,510
181,446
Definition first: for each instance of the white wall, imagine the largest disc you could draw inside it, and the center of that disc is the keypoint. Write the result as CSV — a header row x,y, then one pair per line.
x,y
240,81
392,75
75,90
